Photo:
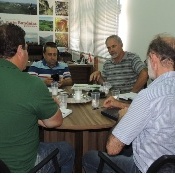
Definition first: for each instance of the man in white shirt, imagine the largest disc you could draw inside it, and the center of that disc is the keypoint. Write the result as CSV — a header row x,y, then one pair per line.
x,y
149,121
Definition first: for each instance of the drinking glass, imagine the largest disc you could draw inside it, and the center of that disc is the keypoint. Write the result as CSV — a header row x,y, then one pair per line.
x,y
106,87
78,94
115,93
54,87
95,99
63,101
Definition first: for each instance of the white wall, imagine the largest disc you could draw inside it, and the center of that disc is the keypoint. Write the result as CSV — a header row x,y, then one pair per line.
x,y
141,20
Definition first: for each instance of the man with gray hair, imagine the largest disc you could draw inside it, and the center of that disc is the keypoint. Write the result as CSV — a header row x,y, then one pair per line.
x,y
149,121
125,70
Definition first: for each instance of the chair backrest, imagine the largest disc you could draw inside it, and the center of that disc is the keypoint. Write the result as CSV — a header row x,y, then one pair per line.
x,y
3,167
164,164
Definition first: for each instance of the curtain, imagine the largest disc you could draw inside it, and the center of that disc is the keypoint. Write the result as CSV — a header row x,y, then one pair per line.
x,y
91,22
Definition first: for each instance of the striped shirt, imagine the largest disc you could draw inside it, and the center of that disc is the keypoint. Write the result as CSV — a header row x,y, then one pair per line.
x,y
150,122
41,69
123,75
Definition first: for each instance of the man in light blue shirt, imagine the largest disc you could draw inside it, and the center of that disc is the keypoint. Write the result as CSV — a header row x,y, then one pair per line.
x,y
49,67
149,123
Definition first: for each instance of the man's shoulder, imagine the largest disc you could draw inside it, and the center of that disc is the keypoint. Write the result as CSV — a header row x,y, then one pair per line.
x,y
37,63
62,64
31,78
131,55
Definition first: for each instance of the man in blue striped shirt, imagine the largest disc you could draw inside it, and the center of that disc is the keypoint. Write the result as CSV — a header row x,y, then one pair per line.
x,y
149,123
50,66
124,70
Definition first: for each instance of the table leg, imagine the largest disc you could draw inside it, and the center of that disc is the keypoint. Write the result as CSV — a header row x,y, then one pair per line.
x,y
78,151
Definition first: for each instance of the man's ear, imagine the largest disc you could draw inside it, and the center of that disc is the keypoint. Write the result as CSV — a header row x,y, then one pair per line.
x,y
154,61
19,50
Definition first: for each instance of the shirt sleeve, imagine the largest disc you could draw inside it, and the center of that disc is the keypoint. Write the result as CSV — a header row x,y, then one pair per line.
x,y
137,64
134,120
66,73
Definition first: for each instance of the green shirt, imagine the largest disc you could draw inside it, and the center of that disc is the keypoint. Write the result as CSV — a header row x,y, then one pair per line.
x,y
23,100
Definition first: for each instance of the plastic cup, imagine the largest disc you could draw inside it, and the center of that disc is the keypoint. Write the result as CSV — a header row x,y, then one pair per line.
x,y
95,99
106,87
54,87
63,101
115,93
77,94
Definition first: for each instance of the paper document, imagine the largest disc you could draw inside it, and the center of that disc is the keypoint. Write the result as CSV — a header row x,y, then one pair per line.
x,y
59,90
65,112
128,96
86,86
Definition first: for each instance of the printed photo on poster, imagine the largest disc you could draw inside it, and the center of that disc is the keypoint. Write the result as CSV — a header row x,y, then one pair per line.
x,y
61,39
45,23
45,37
18,7
46,7
61,24
61,8
31,38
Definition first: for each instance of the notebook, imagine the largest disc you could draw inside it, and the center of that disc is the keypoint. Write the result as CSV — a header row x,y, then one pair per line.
x,y
65,112
111,113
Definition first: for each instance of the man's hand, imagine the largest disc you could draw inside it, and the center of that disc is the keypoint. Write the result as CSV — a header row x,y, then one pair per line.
x,y
65,82
112,102
48,81
109,102
95,76
114,145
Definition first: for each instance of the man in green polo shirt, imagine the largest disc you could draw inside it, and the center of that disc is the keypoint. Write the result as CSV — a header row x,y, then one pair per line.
x,y
25,103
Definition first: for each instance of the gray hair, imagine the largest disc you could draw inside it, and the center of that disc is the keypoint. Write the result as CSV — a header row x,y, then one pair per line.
x,y
115,37
163,46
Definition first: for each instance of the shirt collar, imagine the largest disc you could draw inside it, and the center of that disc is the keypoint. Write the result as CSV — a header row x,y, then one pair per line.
x,y
45,63
124,57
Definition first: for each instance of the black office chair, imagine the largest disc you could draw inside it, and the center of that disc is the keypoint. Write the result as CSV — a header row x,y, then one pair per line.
x,y
52,156
164,164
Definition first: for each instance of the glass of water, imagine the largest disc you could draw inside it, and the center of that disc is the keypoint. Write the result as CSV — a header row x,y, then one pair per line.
x,y
95,99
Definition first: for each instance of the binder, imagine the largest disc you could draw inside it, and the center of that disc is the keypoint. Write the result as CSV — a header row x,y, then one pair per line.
x,y
111,113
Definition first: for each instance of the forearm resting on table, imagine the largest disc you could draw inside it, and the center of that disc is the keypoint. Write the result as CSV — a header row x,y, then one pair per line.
x,y
53,122
122,105
114,145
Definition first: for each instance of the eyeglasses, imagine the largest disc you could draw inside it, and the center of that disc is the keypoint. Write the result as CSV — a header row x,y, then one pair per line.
x,y
146,61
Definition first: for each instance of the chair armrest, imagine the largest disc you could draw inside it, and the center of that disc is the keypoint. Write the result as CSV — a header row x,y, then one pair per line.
x,y
104,159
52,156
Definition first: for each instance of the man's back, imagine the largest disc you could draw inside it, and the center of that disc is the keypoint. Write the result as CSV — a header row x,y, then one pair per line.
x,y
21,95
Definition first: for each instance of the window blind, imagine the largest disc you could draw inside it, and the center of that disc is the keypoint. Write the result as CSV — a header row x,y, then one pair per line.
x,y
91,22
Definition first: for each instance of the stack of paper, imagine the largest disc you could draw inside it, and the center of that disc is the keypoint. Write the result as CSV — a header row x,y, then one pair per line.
x,y
65,112
128,96
86,86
